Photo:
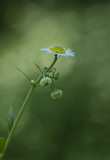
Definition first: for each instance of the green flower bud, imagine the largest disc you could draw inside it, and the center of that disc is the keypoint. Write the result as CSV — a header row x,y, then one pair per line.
x,y
46,81
32,82
56,94
51,74
56,75
53,70
45,69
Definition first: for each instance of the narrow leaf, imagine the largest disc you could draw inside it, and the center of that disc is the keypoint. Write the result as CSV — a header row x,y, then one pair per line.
x,y
23,74
37,66
10,118
2,143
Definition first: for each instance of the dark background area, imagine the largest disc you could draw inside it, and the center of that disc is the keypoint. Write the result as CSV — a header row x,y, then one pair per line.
x,y
78,125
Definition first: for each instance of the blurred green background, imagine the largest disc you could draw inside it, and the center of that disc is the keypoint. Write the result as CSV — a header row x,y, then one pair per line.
x,y
76,127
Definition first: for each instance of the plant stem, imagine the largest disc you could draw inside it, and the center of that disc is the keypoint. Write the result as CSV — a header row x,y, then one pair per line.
x,y
22,110
55,59
17,120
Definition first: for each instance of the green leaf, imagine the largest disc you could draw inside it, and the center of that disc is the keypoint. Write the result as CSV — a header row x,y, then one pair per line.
x,y
37,66
23,74
10,118
2,143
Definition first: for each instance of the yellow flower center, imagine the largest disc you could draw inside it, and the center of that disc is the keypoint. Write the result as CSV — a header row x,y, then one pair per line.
x,y
57,49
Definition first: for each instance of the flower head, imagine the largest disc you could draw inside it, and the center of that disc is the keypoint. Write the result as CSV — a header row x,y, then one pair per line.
x,y
59,51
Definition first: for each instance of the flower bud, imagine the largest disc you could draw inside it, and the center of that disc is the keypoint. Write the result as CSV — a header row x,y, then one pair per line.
x,y
32,82
56,94
51,74
53,70
56,75
45,82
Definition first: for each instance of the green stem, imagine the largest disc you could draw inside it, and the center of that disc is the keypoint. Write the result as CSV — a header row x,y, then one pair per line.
x,y
22,110
17,120
55,59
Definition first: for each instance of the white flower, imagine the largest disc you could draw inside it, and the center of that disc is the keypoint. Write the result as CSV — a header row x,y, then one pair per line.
x,y
59,51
